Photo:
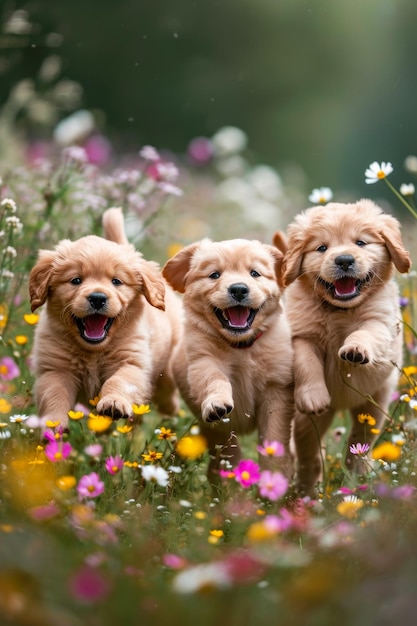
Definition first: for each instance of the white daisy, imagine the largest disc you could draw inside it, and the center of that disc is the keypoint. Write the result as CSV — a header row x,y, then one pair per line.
x,y
321,195
407,189
155,474
377,171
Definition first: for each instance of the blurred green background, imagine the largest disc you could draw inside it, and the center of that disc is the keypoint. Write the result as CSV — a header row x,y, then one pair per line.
x,y
327,85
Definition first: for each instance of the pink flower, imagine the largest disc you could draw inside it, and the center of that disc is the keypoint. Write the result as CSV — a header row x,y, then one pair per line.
x,y
271,448
58,450
359,448
200,151
114,464
8,368
272,485
247,473
89,585
94,449
90,486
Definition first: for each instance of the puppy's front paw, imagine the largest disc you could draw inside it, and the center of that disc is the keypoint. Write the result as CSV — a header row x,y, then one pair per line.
x,y
216,408
313,400
355,353
114,407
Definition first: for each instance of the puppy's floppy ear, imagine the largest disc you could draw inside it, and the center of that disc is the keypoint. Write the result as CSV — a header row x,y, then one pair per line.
x,y
40,278
291,265
391,235
176,269
279,239
152,284
278,257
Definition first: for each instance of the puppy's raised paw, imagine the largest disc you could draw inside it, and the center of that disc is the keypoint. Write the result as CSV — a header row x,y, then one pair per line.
x,y
355,354
115,408
216,408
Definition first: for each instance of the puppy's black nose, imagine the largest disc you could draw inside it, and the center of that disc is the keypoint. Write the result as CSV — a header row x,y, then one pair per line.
x,y
239,291
97,300
345,261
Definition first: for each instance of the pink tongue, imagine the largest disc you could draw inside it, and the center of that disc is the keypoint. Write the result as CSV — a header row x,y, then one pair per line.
x,y
345,286
94,326
238,316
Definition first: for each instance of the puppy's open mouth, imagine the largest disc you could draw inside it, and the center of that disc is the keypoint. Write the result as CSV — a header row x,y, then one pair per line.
x,y
236,318
94,328
347,287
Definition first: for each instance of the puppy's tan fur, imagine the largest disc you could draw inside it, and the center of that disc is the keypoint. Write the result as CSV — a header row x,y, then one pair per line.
x,y
343,305
84,284
234,376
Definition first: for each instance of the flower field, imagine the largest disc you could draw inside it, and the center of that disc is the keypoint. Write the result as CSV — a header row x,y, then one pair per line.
x,y
114,522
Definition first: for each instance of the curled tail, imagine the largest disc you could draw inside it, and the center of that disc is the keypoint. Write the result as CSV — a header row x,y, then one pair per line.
x,y
114,226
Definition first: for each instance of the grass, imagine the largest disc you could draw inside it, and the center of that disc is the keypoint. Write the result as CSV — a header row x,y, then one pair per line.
x,y
162,550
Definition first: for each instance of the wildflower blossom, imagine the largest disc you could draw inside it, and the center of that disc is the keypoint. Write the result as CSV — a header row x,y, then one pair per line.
x,y
272,485
386,452
377,171
126,428
99,423
271,448
359,448
321,195
165,433
191,447
152,455
149,153
75,415
8,368
21,340
365,418
18,419
9,205
89,584
90,486
65,483
154,474
349,506
407,189
5,406
247,473
229,140
58,450
140,409
31,318
201,578
4,434
114,464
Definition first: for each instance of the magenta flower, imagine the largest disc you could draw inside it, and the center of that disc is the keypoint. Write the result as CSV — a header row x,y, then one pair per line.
x,y
271,448
359,448
272,485
58,450
89,585
247,473
90,486
114,464
8,368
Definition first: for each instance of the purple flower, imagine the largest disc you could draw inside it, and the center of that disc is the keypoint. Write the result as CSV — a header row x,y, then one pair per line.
x,y
247,473
8,368
58,450
114,464
359,448
272,485
90,486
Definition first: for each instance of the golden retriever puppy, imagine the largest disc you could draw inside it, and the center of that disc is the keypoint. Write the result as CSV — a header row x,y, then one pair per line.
x,y
108,329
234,367
343,306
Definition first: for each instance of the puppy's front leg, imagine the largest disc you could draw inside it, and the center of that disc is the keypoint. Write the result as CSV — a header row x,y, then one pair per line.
x,y
127,386
55,395
367,344
275,415
311,394
211,388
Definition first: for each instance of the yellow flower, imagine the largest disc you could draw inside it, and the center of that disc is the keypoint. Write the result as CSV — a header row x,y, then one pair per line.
x,y
349,507
216,533
365,418
131,464
75,415
3,316
52,424
191,447
66,482
200,515
259,531
125,429
386,452
31,318
21,340
99,423
152,455
166,433
141,409
410,370
5,406
94,401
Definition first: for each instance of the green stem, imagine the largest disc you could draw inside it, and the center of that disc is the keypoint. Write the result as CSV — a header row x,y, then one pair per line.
x,y
401,198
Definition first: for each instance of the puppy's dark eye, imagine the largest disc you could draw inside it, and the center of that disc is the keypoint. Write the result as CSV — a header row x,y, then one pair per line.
x,y
76,281
116,281
214,275
321,248
361,243
254,274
